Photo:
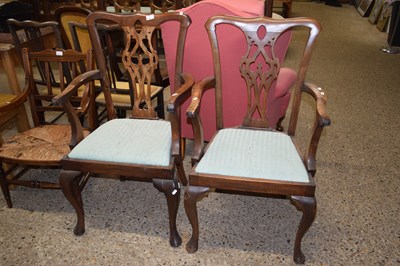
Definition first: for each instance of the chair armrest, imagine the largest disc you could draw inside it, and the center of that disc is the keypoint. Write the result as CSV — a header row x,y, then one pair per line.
x,y
321,120
182,94
64,99
193,113
320,97
173,106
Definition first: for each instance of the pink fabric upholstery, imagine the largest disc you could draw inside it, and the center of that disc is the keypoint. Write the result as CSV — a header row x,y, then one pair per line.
x,y
198,62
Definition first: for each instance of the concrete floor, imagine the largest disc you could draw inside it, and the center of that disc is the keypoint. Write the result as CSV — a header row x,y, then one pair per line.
x,y
358,184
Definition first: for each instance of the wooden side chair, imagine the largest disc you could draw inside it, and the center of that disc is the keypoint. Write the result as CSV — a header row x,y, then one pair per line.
x,y
142,147
45,144
253,158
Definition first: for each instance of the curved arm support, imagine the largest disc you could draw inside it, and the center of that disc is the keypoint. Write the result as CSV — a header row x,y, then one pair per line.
x,y
182,94
63,99
193,114
321,120
173,107
319,95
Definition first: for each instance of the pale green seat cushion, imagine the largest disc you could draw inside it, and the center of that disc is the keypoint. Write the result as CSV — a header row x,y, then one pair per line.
x,y
133,141
255,154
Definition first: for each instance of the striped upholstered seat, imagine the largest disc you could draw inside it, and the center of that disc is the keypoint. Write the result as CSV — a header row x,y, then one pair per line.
x,y
253,154
133,141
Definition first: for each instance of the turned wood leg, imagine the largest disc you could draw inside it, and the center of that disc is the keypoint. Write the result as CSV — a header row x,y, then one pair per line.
x,y
308,205
69,181
4,186
172,192
192,195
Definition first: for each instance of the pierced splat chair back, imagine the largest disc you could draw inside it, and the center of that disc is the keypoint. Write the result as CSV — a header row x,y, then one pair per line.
x,y
139,56
126,5
259,66
163,5
89,4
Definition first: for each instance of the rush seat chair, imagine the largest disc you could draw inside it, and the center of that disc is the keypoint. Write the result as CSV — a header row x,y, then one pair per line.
x,y
44,144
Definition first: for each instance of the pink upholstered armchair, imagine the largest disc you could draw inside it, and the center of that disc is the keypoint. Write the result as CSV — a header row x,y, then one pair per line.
x,y
198,62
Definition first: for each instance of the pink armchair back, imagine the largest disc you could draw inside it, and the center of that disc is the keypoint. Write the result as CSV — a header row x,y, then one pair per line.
x,y
198,62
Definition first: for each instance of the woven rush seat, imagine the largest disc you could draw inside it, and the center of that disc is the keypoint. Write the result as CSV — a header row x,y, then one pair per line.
x,y
46,144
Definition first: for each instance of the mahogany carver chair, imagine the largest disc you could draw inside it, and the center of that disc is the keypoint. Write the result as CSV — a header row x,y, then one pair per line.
x,y
44,144
253,158
142,147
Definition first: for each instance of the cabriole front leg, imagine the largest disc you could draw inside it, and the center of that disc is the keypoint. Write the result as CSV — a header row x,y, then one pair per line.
x,y
69,181
308,205
192,195
172,192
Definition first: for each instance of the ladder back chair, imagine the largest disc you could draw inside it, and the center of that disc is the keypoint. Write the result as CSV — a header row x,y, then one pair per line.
x,y
142,147
254,158
44,144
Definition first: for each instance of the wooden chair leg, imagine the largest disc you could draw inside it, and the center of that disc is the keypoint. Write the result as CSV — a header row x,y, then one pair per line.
x,y
172,192
308,205
69,181
193,194
181,171
183,147
5,187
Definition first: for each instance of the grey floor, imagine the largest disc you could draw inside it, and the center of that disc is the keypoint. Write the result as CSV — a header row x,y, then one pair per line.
x,y
357,223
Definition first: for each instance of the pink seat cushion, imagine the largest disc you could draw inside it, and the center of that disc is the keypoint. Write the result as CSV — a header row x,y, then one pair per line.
x,y
198,62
